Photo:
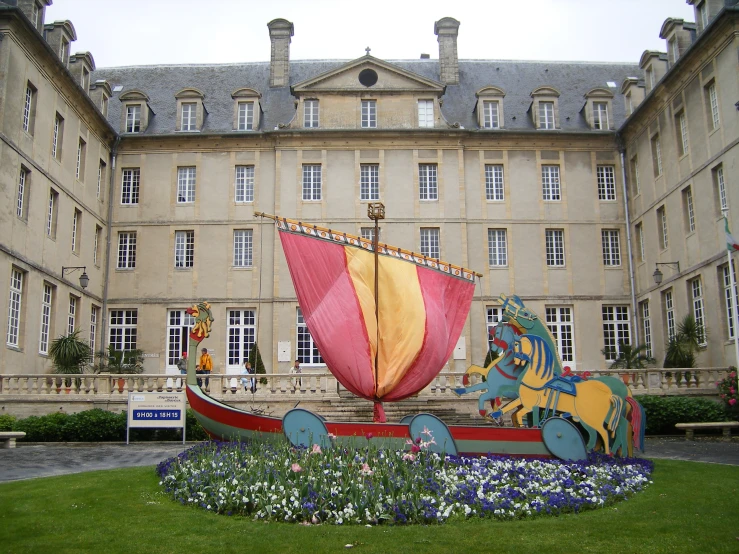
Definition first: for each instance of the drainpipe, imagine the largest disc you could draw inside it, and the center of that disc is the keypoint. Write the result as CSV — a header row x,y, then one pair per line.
x,y
635,317
111,186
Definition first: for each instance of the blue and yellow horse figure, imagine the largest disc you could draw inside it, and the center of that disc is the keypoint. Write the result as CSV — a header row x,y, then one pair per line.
x,y
501,374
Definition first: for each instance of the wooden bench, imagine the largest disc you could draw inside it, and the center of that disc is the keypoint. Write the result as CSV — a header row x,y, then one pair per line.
x,y
725,426
7,438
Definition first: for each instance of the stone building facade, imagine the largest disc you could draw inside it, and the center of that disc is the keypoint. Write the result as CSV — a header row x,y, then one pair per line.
x,y
149,178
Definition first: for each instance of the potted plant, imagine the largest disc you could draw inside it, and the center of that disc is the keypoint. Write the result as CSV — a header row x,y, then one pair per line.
x,y
69,355
120,362
629,357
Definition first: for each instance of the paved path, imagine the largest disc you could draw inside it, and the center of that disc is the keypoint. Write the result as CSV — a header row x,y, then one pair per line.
x,y
45,460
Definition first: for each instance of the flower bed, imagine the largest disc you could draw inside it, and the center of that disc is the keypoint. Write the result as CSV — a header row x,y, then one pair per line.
x,y
366,485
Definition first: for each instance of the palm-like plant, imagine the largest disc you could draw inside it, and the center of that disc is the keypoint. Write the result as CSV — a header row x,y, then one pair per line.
x,y
629,357
69,353
682,347
120,361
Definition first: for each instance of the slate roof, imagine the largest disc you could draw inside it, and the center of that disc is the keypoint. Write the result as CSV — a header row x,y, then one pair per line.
x,y
517,78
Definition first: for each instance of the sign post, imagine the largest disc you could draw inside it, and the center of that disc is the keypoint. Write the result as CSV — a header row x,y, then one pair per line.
x,y
156,409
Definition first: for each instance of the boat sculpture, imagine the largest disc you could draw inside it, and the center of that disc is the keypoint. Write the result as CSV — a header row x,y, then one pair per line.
x,y
388,342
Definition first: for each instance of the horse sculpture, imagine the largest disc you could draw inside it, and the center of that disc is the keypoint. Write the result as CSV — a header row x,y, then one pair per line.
x,y
589,402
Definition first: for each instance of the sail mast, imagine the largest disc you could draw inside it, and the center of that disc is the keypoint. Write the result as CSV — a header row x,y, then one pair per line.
x,y
376,212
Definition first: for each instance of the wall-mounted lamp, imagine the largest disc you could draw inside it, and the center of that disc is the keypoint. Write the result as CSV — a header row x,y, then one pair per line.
x,y
657,275
84,279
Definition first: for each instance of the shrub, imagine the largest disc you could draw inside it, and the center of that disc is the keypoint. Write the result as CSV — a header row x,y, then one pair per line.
x,y
6,422
728,392
48,428
663,412
95,426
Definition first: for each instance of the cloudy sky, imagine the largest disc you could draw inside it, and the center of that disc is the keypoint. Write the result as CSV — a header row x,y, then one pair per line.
x,y
143,32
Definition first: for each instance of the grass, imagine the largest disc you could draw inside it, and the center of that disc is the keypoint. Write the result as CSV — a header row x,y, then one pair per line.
x,y
691,507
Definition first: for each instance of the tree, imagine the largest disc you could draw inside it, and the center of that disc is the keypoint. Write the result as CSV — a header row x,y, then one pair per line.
x,y
255,359
69,354
682,347
629,357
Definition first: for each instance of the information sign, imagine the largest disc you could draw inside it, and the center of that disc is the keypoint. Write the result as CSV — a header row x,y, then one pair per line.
x,y
156,409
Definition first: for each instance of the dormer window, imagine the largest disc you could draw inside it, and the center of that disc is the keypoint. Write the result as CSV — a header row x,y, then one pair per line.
x,y
650,78
702,15
600,115
104,104
133,118
490,108
673,49
310,114
136,113
545,109
246,109
85,81
64,51
190,109
598,108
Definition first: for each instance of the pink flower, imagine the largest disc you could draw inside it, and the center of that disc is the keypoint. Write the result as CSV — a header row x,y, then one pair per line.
x,y
369,436
732,401
415,448
409,457
331,436
426,431
296,468
316,449
366,469
732,390
418,440
732,374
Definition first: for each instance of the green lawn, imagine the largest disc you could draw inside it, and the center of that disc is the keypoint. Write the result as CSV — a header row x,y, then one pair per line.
x,y
691,507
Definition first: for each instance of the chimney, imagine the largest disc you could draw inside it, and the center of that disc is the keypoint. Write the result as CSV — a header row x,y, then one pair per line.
x,y
59,35
447,29
425,57
34,10
280,31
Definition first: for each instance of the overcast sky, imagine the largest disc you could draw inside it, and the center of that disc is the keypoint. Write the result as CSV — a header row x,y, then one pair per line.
x,y
145,32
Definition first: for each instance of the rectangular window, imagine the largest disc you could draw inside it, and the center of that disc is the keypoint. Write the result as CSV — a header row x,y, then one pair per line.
x,y
669,313
123,329
490,115
606,182
647,326
718,178
635,174
244,183
243,248
311,182
640,238
427,185
550,182
546,115
682,140
310,114
368,233
673,49
64,51
688,209
94,316
555,246
492,317
185,185
611,247
102,173
664,238
51,213
76,229
696,292
34,14
179,324
184,249
29,109
600,116
713,105
430,242
189,118
497,248
96,257
56,139
242,332
307,351
126,250
494,182
130,186
616,330
46,300
81,152
85,80
246,116
72,315
14,307
650,79
729,299
21,208
425,113
133,119
656,156
559,322
369,113
369,182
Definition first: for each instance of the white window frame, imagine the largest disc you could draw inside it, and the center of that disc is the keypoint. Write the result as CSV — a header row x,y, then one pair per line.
x,y
721,184
713,104
75,229
179,323
428,185
647,326
51,213
682,122
550,183
29,108
133,118
669,313
546,114
244,187
497,247
561,324
306,350
245,116
312,182
606,175
494,183
186,182
368,233
101,174
81,150
122,329
243,249
491,114
96,245
311,114
555,247
611,247
241,333
47,297
126,250
640,235
616,329
431,242
20,206
492,318
94,316
425,113
15,305
369,182
699,311
728,302
635,169
184,249
690,209
130,186
369,114
74,303
600,116
664,235
189,120
56,139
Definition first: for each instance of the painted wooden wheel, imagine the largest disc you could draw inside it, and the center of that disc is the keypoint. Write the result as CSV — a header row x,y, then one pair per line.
x,y
563,439
427,426
304,428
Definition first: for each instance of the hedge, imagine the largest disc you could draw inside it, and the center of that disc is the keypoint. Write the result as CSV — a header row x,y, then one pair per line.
x,y
663,412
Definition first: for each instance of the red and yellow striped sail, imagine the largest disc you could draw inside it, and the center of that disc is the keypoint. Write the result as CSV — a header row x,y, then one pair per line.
x,y
423,305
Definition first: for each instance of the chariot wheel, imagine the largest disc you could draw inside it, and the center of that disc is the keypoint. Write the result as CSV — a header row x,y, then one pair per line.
x,y
563,439
304,428
437,429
